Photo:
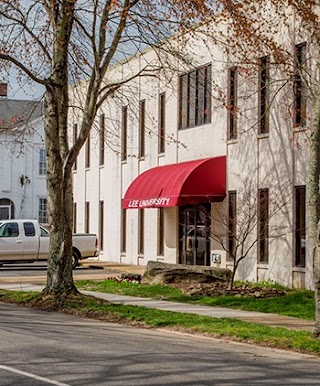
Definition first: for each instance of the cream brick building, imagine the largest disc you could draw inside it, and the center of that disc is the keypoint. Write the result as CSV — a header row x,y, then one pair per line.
x,y
182,163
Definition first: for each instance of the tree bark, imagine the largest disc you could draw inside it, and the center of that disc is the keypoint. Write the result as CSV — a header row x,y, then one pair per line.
x,y
314,205
60,202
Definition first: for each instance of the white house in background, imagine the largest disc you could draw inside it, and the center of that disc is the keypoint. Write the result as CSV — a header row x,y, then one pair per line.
x,y
22,160
169,161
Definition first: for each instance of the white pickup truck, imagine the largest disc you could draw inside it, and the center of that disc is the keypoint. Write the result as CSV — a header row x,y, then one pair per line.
x,y
27,241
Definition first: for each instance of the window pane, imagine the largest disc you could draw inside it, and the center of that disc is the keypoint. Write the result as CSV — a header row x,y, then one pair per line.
x,y
263,225
142,131
42,162
300,226
232,225
263,95
101,223
232,104
300,89
162,118
88,152
101,139
124,133
43,213
141,231
184,101
123,230
161,231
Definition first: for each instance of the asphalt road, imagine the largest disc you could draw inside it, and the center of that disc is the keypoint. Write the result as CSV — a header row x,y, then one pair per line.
x,y
39,348
37,272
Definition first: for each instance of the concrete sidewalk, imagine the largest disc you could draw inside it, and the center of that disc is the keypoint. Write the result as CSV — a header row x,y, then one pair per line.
x,y
215,312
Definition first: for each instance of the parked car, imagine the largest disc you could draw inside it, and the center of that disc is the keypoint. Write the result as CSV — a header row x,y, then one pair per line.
x,y
27,241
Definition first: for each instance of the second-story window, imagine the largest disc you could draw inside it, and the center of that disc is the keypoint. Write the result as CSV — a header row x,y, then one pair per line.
x,y
142,128
264,95
101,139
75,137
162,119
300,89
87,159
195,98
42,162
124,133
232,102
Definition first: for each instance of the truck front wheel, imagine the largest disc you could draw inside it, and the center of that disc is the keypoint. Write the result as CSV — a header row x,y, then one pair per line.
x,y
75,259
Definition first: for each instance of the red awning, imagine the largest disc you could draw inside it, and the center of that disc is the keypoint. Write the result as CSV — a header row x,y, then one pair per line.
x,y
184,183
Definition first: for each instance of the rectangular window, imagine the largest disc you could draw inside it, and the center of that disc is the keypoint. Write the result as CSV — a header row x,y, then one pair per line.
x,y
124,133
263,226
264,95
232,103
87,164
87,217
142,128
141,231
74,217
195,98
300,226
300,89
101,223
42,162
123,230
75,137
232,225
162,120
43,212
160,231
101,139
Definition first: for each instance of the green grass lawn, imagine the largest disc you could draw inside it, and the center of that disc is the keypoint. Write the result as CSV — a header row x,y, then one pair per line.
x,y
298,303
231,329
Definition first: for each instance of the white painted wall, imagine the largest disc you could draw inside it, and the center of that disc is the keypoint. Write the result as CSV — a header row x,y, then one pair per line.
x,y
19,156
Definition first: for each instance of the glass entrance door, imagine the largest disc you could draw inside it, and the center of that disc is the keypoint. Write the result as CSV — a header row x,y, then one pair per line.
x,y
194,235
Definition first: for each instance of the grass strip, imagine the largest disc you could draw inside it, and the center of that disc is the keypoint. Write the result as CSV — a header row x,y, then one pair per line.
x,y
233,329
296,303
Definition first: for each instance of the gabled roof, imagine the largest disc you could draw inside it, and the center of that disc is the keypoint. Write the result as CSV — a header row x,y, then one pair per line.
x,y
14,113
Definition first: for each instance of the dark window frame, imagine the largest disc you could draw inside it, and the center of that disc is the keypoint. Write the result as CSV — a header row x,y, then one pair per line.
x,y
75,137
162,123
142,128
195,97
141,224
300,226
101,223
160,232
264,85
74,217
232,224
124,133
300,89
123,240
232,96
87,217
263,226
43,210
87,151
102,140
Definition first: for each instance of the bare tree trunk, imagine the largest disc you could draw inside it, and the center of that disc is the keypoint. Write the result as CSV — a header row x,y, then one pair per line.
x,y
314,205
60,200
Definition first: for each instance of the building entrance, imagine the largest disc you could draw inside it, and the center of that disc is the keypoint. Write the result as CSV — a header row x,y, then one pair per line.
x,y
194,235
